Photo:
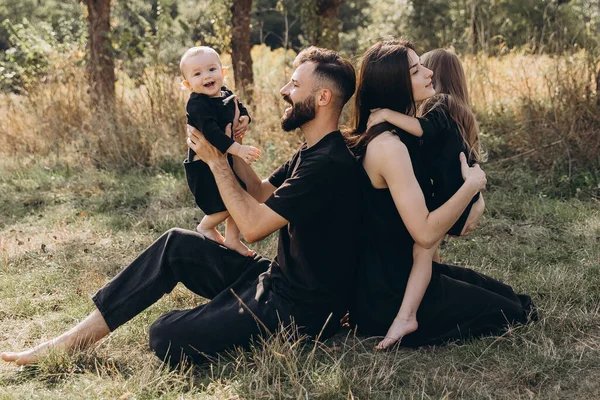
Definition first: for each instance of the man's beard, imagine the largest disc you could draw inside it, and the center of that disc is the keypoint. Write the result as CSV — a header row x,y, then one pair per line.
x,y
302,112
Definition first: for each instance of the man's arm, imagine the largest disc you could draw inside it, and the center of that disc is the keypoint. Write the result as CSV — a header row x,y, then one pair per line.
x,y
255,220
258,188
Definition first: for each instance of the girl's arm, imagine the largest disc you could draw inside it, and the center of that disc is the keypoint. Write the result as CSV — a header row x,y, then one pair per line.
x,y
387,163
402,121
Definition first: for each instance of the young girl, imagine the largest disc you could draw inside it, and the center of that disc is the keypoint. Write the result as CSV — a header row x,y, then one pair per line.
x,y
210,108
447,127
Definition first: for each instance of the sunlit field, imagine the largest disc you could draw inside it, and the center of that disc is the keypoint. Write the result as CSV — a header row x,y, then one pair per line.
x,y
82,192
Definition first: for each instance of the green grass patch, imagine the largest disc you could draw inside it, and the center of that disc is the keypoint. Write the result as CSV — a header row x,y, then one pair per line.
x,y
64,231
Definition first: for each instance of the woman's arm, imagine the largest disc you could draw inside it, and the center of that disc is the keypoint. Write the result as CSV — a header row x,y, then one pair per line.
x,y
402,121
388,164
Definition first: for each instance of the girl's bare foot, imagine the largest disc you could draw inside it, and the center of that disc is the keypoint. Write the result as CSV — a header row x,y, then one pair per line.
x,y
237,245
399,328
210,233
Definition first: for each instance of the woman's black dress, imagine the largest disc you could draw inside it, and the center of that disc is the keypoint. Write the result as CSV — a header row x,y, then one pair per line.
x,y
459,303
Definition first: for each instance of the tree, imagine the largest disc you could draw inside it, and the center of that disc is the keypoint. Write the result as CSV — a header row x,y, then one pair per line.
x,y
240,46
101,63
329,12
320,22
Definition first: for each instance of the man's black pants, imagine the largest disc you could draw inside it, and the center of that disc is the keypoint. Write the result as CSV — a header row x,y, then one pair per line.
x,y
207,269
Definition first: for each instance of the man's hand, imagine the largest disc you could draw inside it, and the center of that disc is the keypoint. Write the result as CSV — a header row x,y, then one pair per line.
x,y
203,149
242,126
240,123
474,216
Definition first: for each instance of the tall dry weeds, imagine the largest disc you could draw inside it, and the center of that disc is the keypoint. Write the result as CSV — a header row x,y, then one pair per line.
x,y
539,109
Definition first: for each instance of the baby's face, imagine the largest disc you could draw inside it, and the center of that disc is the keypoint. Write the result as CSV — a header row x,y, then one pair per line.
x,y
203,74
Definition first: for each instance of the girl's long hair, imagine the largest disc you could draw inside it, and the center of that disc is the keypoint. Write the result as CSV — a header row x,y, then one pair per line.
x,y
451,84
383,82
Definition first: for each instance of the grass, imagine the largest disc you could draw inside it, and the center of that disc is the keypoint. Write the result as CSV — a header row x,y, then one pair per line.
x,y
65,230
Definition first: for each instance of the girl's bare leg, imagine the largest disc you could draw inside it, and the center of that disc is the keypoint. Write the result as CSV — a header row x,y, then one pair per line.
x,y
87,332
232,239
418,280
208,226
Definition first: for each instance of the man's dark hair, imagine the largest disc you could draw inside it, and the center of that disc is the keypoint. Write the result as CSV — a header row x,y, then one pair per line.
x,y
332,68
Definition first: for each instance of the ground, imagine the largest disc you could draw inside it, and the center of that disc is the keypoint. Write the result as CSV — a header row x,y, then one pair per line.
x,y
66,229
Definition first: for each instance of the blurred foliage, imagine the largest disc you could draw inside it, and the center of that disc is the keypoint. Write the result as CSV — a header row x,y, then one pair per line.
x,y
147,33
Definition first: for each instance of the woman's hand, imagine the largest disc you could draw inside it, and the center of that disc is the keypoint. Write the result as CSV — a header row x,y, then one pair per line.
x,y
472,175
378,115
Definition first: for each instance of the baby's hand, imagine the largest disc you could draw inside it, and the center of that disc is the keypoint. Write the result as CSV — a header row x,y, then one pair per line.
x,y
377,117
248,153
239,131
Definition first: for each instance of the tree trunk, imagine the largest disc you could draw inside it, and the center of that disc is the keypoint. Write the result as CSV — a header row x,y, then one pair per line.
x,y
329,13
101,64
598,88
473,28
240,48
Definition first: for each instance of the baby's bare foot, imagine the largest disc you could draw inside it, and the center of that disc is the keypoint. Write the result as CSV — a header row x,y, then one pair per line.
x,y
211,233
399,328
237,245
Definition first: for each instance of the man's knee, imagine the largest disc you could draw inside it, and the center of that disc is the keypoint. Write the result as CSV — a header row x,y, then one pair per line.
x,y
171,349
176,238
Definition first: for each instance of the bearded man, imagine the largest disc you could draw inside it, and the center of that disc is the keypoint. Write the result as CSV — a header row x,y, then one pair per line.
x,y
312,199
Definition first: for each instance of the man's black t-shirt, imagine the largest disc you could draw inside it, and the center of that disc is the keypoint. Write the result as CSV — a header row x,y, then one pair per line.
x,y
317,192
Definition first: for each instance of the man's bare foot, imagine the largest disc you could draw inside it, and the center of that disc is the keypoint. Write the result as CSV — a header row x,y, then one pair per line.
x,y
211,233
33,355
399,328
87,332
237,245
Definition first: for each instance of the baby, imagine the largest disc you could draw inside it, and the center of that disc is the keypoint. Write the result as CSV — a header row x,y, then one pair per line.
x,y
210,108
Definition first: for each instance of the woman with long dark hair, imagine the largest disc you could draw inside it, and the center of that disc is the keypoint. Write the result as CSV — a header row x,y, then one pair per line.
x,y
457,303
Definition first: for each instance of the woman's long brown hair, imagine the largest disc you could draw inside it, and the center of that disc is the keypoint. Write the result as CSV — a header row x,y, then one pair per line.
x,y
383,82
450,82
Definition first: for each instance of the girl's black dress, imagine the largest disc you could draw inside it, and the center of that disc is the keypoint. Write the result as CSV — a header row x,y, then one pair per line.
x,y
441,144
459,303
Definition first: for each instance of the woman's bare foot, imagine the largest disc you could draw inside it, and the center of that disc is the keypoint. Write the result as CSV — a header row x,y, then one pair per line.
x,y
210,233
237,245
87,332
399,328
